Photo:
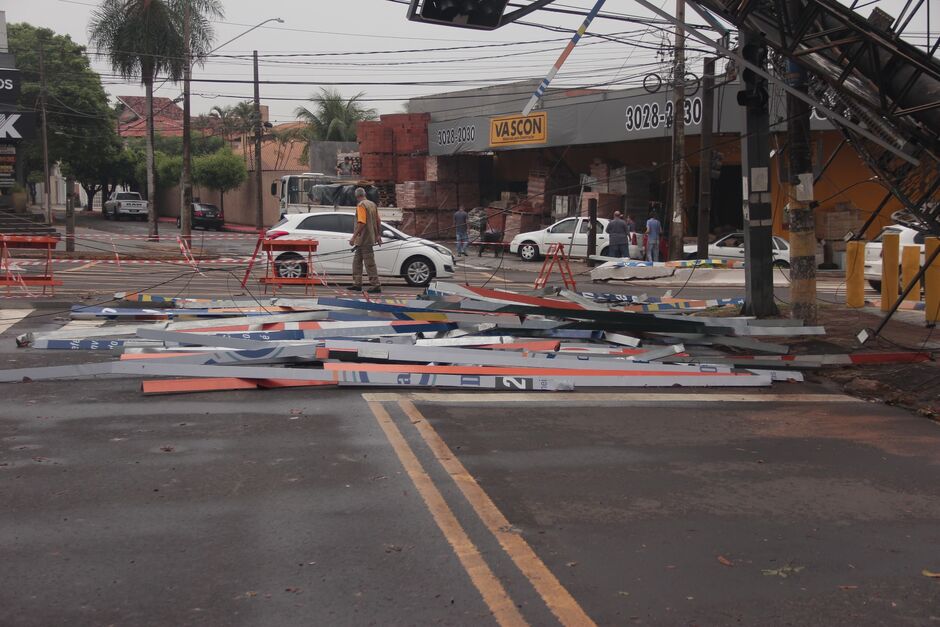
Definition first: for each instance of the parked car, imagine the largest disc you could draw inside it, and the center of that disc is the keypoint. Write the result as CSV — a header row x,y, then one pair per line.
x,y
205,215
731,247
573,233
128,204
416,260
873,252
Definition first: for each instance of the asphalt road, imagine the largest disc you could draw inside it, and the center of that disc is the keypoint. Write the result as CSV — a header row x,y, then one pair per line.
x,y
788,506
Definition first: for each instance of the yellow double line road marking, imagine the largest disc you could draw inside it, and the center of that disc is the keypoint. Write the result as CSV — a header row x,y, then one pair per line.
x,y
555,596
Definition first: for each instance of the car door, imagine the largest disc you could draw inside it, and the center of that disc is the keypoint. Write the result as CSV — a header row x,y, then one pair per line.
x,y
386,254
579,249
781,249
333,248
562,232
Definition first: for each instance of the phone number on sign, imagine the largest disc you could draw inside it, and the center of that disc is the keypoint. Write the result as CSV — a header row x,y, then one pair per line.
x,y
459,135
652,115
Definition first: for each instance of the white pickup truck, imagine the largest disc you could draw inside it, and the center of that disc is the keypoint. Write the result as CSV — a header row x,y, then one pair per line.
x,y
125,204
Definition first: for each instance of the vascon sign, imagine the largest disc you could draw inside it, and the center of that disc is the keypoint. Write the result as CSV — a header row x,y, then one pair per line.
x,y
517,129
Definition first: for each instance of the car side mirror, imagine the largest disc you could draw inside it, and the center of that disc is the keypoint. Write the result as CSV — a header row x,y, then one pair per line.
x,y
386,234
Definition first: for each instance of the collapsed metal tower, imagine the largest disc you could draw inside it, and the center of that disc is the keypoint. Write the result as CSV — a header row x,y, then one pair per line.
x,y
864,71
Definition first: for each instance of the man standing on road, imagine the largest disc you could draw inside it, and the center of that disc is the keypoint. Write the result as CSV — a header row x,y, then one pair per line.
x,y
653,232
460,226
617,232
368,233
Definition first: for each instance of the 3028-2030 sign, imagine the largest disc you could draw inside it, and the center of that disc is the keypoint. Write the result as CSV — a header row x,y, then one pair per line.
x,y
457,135
650,115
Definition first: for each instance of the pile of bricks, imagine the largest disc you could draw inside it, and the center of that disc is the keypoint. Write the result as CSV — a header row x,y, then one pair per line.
x,y
423,224
600,172
416,195
394,148
606,203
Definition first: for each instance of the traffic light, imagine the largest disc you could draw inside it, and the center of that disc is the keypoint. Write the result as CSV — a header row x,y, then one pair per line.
x,y
755,93
481,14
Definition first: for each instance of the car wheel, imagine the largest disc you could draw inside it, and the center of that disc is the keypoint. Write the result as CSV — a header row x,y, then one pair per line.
x,y
105,214
604,251
418,271
875,285
781,264
529,251
290,266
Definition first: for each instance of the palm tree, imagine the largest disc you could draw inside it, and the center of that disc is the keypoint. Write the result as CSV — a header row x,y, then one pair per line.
x,y
243,123
144,39
226,118
333,118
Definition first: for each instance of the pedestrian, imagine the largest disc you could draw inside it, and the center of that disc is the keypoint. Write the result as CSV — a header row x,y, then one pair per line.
x,y
631,223
368,233
654,230
618,242
460,226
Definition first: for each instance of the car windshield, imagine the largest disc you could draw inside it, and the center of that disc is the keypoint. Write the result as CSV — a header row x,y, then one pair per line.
x,y
207,207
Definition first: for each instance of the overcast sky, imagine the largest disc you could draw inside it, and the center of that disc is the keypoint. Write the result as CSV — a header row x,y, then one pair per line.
x,y
315,27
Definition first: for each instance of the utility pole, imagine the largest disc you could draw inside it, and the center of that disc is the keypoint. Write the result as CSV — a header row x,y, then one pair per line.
x,y
47,191
800,200
69,214
186,226
677,228
755,160
259,197
705,163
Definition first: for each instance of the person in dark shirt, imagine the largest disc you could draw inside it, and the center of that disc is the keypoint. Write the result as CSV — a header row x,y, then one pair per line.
x,y
460,226
618,234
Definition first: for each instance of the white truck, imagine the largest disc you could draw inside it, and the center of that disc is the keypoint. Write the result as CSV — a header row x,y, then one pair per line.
x,y
315,192
128,204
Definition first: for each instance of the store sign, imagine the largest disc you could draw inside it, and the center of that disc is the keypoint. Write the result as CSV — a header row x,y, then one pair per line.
x,y
9,86
17,125
7,165
516,130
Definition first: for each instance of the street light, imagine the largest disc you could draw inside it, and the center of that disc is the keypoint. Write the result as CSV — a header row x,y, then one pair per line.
x,y
186,227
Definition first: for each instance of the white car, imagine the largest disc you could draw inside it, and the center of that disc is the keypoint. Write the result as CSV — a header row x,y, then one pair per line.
x,y
909,237
731,246
573,233
416,260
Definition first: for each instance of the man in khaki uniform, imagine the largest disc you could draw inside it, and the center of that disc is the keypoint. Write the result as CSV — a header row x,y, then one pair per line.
x,y
368,233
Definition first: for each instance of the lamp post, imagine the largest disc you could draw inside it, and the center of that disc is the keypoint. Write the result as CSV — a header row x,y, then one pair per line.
x,y
187,177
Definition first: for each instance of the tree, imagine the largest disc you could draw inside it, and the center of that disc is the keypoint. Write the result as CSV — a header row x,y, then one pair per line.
x,y
144,39
82,127
333,118
222,170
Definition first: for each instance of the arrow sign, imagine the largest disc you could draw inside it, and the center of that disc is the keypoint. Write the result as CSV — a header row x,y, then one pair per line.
x,y
17,125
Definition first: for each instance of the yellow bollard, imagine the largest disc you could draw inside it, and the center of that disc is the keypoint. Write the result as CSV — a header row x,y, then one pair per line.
x,y
855,274
910,266
932,283
890,245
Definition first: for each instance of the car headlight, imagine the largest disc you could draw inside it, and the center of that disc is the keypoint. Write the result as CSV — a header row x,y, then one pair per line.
x,y
442,249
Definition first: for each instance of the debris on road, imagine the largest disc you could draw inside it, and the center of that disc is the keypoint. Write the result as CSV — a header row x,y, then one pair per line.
x,y
454,336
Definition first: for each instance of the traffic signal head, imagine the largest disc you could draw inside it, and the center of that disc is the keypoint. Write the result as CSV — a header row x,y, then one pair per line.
x,y
481,14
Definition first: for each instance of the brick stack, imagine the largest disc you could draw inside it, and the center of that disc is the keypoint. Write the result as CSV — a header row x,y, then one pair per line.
x,y
520,223
606,203
537,188
409,168
468,195
375,138
422,224
410,131
442,169
600,172
378,167
420,195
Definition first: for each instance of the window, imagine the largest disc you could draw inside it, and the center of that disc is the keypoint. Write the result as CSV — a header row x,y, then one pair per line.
x,y
127,196
732,241
323,222
346,222
586,227
564,227
781,244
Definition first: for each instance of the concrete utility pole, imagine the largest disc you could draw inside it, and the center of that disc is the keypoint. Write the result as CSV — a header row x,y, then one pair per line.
x,y
46,189
186,226
677,228
802,220
259,197
755,159
69,214
705,162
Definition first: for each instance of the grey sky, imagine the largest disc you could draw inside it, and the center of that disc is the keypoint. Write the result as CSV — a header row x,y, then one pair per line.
x,y
328,26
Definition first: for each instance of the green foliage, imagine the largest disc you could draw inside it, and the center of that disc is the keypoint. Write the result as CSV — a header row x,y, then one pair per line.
x,y
169,169
334,118
80,122
222,170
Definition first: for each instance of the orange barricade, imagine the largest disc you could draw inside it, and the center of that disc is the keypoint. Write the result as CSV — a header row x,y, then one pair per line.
x,y
10,276
302,246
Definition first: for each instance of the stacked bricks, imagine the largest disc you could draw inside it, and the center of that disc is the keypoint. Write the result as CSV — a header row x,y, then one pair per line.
x,y
520,223
600,172
606,203
409,168
537,188
422,224
410,131
395,147
378,167
416,195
